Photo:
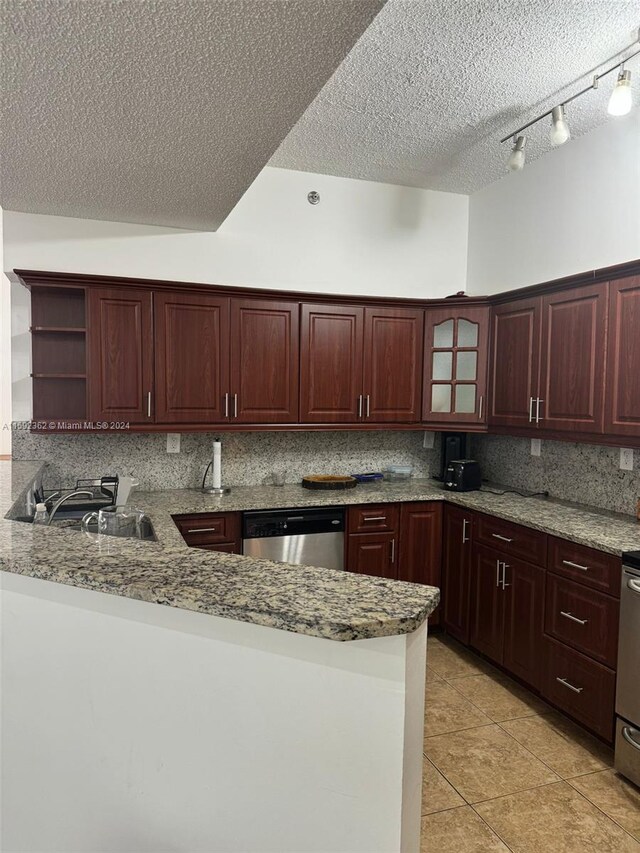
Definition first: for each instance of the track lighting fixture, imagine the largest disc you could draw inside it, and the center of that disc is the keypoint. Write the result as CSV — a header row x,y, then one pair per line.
x,y
621,101
560,132
620,104
517,157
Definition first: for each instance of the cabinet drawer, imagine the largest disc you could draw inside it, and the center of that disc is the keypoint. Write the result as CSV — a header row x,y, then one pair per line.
x,y
209,528
579,686
582,618
513,539
585,565
373,518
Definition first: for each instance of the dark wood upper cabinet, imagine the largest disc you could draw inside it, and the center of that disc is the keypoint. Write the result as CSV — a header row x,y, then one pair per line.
x,y
264,361
457,539
331,364
392,365
572,359
192,357
515,349
455,366
622,411
120,354
523,620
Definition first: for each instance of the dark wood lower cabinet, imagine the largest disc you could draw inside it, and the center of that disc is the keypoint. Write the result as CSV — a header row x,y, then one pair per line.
x,y
420,556
218,531
457,538
523,620
487,604
373,554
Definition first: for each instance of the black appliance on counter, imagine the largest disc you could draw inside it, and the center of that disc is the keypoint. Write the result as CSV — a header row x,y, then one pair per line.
x,y
462,475
454,445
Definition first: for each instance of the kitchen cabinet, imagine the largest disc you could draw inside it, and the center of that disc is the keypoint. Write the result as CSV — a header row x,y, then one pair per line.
x,y
219,531
622,412
120,355
373,554
457,539
264,361
191,358
507,597
572,360
360,364
455,366
420,552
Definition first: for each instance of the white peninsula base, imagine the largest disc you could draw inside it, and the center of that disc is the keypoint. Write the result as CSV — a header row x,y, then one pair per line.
x,y
130,727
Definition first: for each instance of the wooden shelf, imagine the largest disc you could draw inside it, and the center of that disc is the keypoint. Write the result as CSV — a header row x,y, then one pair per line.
x,y
59,375
74,330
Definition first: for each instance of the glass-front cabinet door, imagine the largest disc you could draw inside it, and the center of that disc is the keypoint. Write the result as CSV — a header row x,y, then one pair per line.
x,y
455,365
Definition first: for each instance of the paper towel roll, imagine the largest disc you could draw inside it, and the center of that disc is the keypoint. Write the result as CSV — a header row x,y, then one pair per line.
x,y
217,464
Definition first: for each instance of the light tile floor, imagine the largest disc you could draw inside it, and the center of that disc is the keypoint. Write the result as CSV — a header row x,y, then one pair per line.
x,y
503,771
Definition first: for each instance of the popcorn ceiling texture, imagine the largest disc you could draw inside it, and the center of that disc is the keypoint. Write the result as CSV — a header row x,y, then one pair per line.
x,y
158,111
431,87
246,457
584,473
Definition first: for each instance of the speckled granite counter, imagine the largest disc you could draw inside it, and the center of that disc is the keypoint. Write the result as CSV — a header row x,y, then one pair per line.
x,y
318,602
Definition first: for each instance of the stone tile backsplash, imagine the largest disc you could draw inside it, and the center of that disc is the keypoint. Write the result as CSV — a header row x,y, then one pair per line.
x,y
584,473
246,457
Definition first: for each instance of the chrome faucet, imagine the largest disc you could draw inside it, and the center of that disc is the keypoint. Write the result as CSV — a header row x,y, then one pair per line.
x,y
60,501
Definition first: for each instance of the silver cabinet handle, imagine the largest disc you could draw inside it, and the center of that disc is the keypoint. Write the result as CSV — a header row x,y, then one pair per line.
x,y
368,406
498,564
504,575
575,565
633,585
226,405
626,734
359,405
573,618
203,530
148,404
570,686
480,407
538,401
530,409
393,550
501,538
465,538
235,405
375,518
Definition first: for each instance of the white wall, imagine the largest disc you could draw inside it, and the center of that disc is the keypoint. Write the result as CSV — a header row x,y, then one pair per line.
x,y
576,208
363,238
5,355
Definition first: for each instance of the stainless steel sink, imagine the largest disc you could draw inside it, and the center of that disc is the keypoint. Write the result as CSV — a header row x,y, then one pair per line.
x,y
70,517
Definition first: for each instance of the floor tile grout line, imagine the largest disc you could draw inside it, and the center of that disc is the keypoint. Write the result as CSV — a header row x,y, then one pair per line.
x,y
437,769
596,806
495,832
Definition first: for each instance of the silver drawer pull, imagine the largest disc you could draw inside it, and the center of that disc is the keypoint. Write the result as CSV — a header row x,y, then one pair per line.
x,y
501,538
573,618
376,518
204,530
575,565
570,686
626,734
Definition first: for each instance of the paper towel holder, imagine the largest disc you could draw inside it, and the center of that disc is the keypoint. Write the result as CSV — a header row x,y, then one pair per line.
x,y
209,490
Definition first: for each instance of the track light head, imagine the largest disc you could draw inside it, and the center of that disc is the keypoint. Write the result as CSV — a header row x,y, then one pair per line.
x,y
621,99
515,163
560,132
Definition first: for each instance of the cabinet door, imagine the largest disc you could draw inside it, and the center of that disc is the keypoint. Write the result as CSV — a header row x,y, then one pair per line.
x,y
456,565
487,603
264,361
515,351
331,364
623,371
192,357
455,365
392,365
572,361
120,365
420,554
372,554
523,620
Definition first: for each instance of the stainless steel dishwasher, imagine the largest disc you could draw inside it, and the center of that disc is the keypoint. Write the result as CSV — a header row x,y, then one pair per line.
x,y
627,758
306,537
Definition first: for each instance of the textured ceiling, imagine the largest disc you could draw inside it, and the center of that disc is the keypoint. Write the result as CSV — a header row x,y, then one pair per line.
x,y
157,111
432,86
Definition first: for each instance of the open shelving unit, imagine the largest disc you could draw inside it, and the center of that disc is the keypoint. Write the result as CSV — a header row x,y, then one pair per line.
x,y
59,353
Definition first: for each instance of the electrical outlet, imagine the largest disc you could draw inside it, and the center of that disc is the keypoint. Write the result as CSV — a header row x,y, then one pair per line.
x,y
429,441
536,446
173,442
626,459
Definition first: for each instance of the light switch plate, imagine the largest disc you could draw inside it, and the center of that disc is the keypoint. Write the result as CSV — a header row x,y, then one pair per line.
x,y
536,446
429,441
626,459
173,442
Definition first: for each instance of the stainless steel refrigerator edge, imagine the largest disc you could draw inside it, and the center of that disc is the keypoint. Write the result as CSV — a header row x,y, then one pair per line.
x,y
627,757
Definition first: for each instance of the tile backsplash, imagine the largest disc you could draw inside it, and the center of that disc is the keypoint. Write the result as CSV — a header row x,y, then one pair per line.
x,y
246,457
584,473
